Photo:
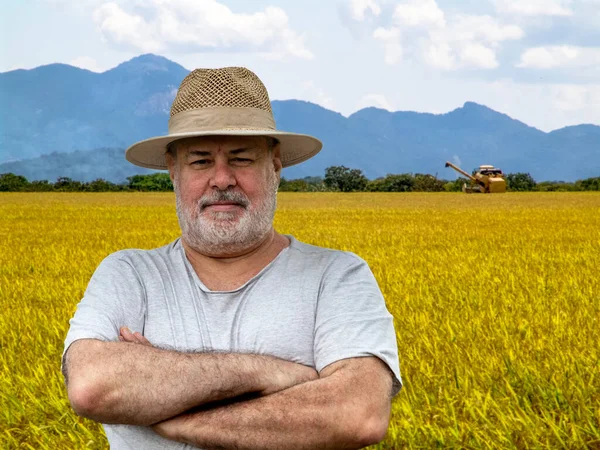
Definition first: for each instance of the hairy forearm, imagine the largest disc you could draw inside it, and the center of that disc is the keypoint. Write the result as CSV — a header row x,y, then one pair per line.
x,y
121,382
326,413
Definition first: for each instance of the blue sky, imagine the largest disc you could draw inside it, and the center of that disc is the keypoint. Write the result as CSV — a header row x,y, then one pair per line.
x,y
535,60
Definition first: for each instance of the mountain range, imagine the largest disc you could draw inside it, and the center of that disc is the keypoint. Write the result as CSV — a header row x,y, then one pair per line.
x,y
59,120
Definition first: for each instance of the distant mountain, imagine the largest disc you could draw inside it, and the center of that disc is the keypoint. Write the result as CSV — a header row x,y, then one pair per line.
x,y
59,108
81,165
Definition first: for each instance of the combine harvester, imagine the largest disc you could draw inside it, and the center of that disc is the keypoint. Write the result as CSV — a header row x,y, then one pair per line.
x,y
487,180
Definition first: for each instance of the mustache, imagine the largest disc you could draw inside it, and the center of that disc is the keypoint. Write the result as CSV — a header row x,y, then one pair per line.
x,y
223,196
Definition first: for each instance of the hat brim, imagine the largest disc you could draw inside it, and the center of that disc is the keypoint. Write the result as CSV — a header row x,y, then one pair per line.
x,y
295,148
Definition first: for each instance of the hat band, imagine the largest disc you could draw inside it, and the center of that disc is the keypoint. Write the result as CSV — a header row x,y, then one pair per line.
x,y
220,118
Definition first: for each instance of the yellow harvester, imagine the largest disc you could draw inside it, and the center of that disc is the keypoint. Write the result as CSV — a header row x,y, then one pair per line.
x,y
487,180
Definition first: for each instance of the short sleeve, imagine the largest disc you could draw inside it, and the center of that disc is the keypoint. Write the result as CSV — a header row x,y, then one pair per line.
x,y
114,297
352,319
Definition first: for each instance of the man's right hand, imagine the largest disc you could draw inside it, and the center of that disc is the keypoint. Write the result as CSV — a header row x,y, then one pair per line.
x,y
288,374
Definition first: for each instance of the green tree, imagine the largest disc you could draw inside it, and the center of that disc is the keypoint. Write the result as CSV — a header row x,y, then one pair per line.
x,y
376,185
313,181
293,185
9,182
591,184
40,186
427,183
520,181
153,182
68,184
102,185
456,185
341,178
392,183
557,186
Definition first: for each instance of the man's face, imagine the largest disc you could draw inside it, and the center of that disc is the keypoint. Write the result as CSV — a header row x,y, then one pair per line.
x,y
226,191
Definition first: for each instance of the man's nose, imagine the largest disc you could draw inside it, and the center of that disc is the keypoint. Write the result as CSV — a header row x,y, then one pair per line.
x,y
222,175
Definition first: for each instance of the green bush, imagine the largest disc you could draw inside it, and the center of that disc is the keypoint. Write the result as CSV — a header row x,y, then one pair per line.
x,y
9,182
392,183
154,182
341,178
520,181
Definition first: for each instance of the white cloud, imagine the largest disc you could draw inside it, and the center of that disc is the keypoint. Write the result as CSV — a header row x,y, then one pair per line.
x,y
377,100
197,26
485,28
358,8
391,43
86,62
419,13
534,7
468,41
444,42
123,28
438,53
574,98
315,94
478,55
560,56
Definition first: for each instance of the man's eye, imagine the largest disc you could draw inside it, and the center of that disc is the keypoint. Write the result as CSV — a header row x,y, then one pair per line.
x,y
241,160
201,162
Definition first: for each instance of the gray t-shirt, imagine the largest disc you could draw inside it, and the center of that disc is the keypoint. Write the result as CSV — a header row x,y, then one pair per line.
x,y
310,305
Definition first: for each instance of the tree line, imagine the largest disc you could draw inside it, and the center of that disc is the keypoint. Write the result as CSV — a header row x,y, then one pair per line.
x,y
344,179
157,182
336,179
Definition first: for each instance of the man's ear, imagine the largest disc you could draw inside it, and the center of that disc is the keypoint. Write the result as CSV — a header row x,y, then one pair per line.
x,y
277,158
170,165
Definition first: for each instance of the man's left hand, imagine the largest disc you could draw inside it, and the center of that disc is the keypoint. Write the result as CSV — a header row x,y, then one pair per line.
x,y
173,428
134,338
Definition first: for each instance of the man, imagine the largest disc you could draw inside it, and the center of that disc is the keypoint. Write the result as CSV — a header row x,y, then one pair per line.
x,y
232,336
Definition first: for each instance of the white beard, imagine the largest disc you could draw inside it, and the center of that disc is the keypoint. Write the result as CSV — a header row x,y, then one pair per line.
x,y
224,232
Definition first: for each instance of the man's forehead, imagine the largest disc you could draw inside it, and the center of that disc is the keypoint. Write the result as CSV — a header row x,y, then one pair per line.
x,y
223,143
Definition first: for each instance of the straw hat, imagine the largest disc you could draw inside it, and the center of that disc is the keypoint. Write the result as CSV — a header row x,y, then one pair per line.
x,y
230,101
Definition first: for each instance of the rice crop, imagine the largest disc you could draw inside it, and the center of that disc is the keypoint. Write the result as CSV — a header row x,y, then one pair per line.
x,y
496,300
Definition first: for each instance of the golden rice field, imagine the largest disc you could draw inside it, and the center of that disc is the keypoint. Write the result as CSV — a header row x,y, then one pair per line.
x,y
496,301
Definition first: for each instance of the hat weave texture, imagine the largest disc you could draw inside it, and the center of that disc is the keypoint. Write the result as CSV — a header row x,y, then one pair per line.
x,y
234,87
231,101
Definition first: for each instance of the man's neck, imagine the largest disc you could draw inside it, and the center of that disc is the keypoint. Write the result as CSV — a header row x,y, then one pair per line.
x,y
230,271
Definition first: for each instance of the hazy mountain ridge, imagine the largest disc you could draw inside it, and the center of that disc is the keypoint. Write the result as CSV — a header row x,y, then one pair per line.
x,y
81,165
59,108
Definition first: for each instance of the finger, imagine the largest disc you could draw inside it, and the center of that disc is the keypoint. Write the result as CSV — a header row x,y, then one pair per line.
x,y
142,339
127,335
125,332
121,338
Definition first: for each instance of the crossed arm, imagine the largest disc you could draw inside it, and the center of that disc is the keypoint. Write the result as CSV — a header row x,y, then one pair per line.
x,y
346,406
339,410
